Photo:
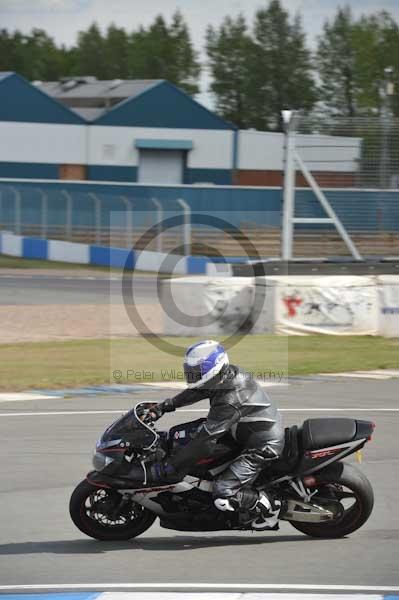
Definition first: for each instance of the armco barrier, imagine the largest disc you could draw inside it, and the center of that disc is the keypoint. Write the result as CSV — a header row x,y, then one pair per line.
x,y
71,252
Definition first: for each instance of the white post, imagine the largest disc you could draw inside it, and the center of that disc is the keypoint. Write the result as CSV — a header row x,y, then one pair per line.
x,y
17,210
129,221
186,226
97,215
44,215
68,220
289,187
159,223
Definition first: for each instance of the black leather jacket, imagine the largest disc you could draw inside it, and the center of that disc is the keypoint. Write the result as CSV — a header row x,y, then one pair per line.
x,y
236,401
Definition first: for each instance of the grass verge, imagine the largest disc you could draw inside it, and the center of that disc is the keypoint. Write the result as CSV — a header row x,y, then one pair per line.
x,y
11,262
92,362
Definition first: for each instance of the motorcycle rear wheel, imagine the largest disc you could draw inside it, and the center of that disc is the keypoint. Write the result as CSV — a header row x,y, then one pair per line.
x,y
90,509
339,476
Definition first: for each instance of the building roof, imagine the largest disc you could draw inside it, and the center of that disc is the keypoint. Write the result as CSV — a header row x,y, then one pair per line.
x,y
131,102
89,114
89,88
20,101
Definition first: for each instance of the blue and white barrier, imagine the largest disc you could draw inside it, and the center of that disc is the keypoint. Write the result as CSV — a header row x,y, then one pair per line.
x,y
91,254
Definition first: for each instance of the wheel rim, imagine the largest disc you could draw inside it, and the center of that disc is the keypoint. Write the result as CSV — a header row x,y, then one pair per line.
x,y
345,502
101,509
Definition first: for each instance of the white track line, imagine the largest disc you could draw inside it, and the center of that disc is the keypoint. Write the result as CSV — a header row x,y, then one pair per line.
x,y
157,595
22,396
186,587
56,413
181,385
374,374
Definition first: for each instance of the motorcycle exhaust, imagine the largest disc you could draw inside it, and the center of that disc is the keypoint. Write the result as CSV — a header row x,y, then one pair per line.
x,y
306,513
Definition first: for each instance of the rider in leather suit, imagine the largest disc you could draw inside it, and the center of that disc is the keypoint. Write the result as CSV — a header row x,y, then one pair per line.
x,y
237,405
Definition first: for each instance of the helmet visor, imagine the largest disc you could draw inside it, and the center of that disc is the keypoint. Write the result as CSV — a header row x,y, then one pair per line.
x,y
192,373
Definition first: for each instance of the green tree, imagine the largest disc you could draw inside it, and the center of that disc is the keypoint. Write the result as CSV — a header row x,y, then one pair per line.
x,y
165,52
336,60
283,68
185,62
257,75
91,53
231,57
352,57
376,44
116,48
35,56
44,60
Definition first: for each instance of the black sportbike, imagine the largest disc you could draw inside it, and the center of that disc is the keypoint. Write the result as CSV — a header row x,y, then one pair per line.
x,y
321,495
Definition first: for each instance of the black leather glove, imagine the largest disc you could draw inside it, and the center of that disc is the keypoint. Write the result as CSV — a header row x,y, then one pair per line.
x,y
158,410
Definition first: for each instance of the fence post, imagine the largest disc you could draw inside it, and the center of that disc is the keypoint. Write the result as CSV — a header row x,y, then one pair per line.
x,y
289,186
159,223
44,213
97,215
17,210
186,226
68,220
129,221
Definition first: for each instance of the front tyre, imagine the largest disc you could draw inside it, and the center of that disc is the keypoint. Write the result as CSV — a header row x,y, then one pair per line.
x,y
344,483
104,514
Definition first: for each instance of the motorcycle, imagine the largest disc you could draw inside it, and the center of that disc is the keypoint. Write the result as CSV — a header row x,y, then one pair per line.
x,y
321,496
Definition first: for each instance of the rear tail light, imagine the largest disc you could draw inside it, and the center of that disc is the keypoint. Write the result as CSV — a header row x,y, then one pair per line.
x,y
309,481
370,437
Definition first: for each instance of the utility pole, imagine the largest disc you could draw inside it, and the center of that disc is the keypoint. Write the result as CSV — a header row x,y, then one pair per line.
x,y
386,92
289,186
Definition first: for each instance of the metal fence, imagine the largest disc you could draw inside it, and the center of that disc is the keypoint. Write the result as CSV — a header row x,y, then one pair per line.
x,y
353,152
351,166
122,215
125,215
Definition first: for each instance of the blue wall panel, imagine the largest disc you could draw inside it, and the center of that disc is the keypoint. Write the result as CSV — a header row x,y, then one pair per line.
x,y
29,170
359,210
112,173
34,248
217,176
130,174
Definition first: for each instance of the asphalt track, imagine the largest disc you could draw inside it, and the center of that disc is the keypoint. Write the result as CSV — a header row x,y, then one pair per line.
x,y
49,288
46,448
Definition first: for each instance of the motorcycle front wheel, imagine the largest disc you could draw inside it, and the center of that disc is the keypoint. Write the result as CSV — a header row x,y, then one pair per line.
x,y
343,486
104,514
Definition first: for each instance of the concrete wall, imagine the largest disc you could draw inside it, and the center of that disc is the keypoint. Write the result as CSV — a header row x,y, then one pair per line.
x,y
42,144
109,153
332,160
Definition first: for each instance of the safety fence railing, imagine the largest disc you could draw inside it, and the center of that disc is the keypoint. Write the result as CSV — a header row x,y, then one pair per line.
x,y
244,219
351,167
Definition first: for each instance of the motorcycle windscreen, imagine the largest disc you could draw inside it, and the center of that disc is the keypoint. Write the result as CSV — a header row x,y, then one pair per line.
x,y
130,429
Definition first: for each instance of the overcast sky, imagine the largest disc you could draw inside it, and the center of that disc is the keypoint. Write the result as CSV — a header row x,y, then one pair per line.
x,y
62,19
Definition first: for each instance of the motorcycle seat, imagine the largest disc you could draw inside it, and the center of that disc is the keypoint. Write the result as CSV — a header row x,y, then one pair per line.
x,y
321,433
290,455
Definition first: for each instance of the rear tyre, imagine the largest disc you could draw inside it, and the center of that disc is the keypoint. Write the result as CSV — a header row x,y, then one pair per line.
x,y
101,514
346,483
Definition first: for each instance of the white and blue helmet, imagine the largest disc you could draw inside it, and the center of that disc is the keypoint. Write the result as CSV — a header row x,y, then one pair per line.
x,y
203,361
